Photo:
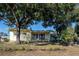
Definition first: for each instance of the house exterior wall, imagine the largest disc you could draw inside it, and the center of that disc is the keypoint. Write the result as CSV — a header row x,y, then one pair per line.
x,y
12,36
23,36
28,36
47,36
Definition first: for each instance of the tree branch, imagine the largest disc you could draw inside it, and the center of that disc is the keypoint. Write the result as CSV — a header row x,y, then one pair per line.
x,y
13,14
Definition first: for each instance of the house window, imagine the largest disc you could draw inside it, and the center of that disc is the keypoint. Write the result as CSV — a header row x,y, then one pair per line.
x,y
35,36
42,36
24,33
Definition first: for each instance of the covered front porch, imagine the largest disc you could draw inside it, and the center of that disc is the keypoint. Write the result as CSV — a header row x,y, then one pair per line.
x,y
40,36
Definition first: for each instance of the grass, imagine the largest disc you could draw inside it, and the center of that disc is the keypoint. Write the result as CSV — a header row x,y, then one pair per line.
x,y
30,49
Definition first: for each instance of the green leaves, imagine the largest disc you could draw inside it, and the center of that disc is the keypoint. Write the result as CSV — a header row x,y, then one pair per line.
x,y
62,13
18,12
58,13
68,34
23,14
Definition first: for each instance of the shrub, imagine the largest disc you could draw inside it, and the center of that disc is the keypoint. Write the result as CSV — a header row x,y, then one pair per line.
x,y
6,40
57,49
67,36
23,42
23,48
50,49
6,49
30,49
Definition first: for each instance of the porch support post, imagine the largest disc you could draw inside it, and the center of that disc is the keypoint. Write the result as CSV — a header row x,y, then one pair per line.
x,y
38,37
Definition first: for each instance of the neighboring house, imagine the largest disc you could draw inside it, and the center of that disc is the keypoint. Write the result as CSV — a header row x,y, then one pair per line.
x,y
3,36
28,35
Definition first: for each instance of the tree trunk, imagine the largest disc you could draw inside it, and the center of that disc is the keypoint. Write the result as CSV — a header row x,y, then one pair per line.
x,y
0,38
18,35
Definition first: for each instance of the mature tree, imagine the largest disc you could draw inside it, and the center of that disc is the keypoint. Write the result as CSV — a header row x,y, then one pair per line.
x,y
58,15
77,28
77,21
22,15
19,15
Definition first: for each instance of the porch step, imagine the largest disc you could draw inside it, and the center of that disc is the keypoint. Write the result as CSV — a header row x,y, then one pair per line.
x,y
41,43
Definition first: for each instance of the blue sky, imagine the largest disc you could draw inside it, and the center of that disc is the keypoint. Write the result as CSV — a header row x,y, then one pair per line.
x,y
40,27
4,28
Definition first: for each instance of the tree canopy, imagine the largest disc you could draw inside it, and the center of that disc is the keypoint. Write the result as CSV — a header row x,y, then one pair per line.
x,y
18,15
58,15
